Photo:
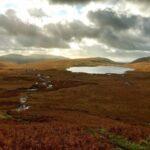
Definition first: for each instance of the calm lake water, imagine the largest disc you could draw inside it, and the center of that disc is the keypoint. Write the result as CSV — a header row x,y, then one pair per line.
x,y
100,70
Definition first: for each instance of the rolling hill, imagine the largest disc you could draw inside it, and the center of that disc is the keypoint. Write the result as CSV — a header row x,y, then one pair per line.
x,y
28,59
143,59
62,64
141,64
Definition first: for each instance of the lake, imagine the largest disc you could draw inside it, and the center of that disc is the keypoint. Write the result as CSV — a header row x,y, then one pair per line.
x,y
100,70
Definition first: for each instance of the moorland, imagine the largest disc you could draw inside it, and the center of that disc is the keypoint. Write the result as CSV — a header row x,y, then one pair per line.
x,y
81,111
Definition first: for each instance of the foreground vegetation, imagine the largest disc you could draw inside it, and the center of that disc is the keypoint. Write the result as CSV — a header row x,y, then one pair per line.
x,y
81,111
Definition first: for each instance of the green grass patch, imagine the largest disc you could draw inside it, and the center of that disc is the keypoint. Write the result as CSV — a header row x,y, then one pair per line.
x,y
5,117
125,144
119,141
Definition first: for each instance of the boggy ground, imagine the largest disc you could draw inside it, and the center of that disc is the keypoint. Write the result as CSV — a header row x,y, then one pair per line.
x,y
82,111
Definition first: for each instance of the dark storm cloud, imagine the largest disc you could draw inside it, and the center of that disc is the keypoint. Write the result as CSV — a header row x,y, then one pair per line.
x,y
38,13
141,2
146,26
110,18
123,40
14,26
69,1
115,30
41,41
75,29
143,5
122,31
28,35
145,2
6,42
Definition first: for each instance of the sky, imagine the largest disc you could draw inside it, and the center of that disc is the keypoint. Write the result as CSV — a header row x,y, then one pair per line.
x,y
115,29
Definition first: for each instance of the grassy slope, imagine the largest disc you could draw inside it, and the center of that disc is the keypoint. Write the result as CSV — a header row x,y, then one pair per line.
x,y
61,64
143,59
141,66
29,59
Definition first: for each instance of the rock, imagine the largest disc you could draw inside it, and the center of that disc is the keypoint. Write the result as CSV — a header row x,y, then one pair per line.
x,y
32,90
44,83
39,75
50,86
23,99
47,77
127,83
23,107
36,83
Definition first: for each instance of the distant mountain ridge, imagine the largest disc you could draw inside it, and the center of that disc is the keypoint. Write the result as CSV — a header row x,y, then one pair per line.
x,y
92,61
100,59
31,58
143,59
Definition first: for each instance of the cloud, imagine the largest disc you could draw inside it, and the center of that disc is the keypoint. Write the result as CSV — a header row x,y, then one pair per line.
x,y
121,31
109,18
15,26
124,40
142,5
115,29
98,50
69,1
41,41
145,2
38,13
28,35
141,2
10,13
71,30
